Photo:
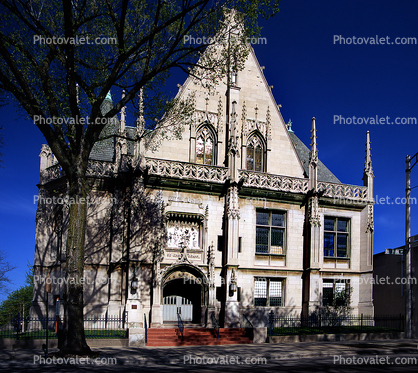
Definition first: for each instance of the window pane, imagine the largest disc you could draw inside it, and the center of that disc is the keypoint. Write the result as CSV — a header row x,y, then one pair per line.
x,y
250,158
329,224
342,245
277,220
260,302
328,244
262,218
262,240
276,241
208,151
260,292
199,150
258,159
342,225
339,287
327,294
275,289
275,293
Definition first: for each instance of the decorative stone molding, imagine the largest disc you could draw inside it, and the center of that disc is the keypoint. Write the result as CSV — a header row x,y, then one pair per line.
x,y
233,203
268,124
220,127
252,125
183,170
273,182
370,219
94,169
314,218
343,191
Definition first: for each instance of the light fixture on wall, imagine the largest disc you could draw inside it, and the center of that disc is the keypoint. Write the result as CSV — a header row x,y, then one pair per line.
x,y
134,283
233,283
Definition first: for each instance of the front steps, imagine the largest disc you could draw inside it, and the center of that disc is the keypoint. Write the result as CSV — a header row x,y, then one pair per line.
x,y
195,337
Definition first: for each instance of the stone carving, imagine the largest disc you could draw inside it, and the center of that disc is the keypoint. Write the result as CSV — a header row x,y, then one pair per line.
x,y
183,170
314,218
343,191
252,125
203,116
220,113
211,266
176,237
94,168
370,219
268,124
273,182
233,203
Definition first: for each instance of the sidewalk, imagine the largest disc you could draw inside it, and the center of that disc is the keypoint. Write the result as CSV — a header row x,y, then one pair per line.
x,y
158,358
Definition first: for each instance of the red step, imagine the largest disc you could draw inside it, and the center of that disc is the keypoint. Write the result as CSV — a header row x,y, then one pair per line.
x,y
195,336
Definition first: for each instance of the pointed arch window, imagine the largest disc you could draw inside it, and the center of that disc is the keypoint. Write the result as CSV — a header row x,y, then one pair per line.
x,y
205,147
255,154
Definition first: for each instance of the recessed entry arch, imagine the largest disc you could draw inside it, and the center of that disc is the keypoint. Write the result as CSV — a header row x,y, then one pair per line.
x,y
184,291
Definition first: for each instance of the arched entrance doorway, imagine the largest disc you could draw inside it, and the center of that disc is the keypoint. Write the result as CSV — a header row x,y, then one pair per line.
x,y
185,291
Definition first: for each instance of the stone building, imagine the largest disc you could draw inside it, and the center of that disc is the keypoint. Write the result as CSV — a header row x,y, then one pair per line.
x,y
238,217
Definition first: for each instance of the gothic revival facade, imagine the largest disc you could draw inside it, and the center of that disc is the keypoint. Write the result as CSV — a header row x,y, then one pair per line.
x,y
238,217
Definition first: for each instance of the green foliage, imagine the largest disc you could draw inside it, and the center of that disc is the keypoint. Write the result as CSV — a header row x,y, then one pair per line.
x,y
18,301
337,307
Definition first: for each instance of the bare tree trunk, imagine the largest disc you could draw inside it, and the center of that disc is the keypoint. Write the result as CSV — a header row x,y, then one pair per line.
x,y
74,339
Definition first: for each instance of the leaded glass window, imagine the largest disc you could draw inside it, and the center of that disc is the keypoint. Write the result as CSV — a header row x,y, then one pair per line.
x,y
255,154
205,147
268,292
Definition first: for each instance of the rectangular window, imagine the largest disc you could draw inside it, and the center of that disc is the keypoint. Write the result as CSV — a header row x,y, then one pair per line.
x,y
268,292
332,289
336,237
270,232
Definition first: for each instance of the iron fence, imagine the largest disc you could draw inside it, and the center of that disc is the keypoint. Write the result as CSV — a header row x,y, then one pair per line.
x,y
318,324
38,327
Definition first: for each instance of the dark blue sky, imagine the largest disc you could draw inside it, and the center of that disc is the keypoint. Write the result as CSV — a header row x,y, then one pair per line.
x,y
312,76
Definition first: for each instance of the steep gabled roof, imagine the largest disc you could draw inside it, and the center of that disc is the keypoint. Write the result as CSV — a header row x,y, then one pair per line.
x,y
324,174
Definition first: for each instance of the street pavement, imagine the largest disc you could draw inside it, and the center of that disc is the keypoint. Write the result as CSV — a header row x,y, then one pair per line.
x,y
340,356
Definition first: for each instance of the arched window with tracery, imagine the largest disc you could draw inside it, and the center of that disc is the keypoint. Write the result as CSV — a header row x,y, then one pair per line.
x,y
205,146
255,154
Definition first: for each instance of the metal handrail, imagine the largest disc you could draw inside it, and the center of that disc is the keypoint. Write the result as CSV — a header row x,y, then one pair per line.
x,y
248,321
180,325
146,329
215,324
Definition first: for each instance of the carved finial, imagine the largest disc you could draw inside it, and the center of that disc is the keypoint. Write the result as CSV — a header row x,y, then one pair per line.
x,y
289,126
368,163
313,159
122,116
220,115
244,118
77,90
256,113
268,124
140,122
313,136
368,170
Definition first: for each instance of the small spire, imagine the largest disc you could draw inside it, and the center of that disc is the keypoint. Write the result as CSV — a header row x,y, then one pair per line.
x,y
368,169
313,159
313,136
109,97
123,116
77,90
140,121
